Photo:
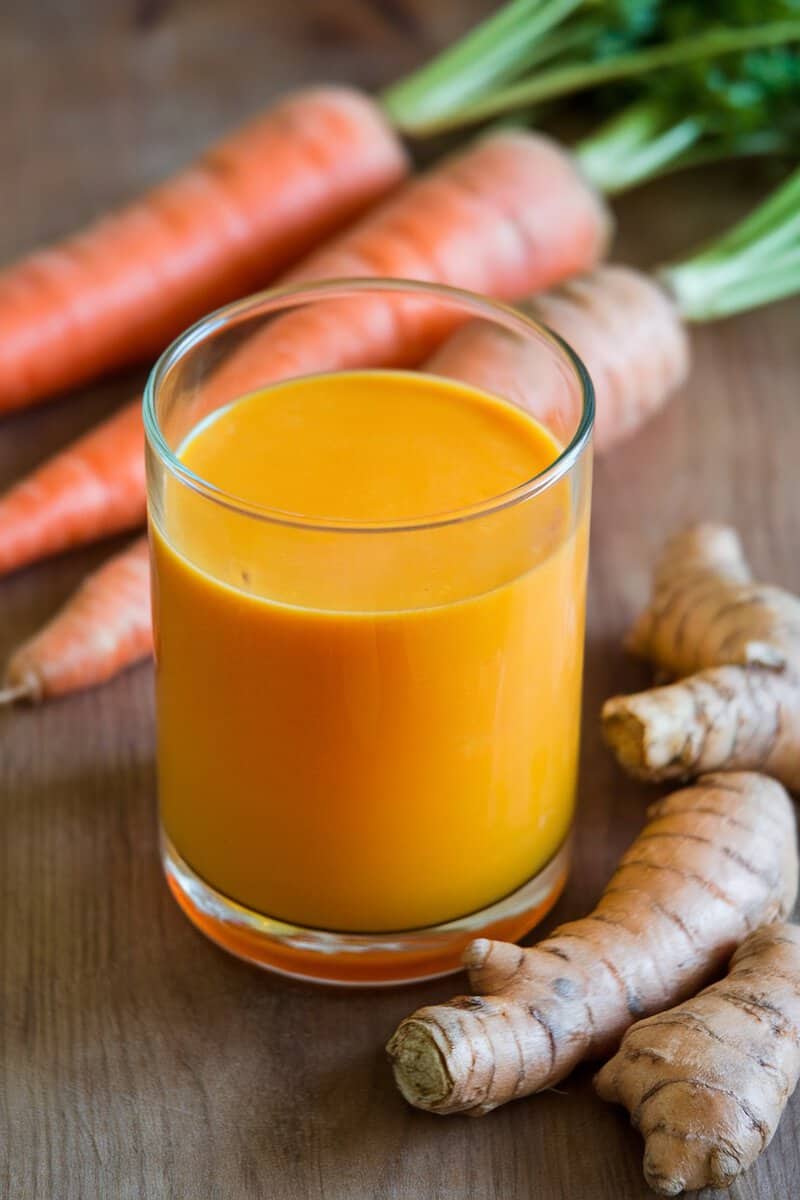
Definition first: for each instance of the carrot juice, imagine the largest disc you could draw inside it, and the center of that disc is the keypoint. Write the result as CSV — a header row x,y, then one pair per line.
x,y
368,684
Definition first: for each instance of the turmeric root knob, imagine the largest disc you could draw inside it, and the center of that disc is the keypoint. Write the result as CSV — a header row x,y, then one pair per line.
x,y
706,611
735,646
707,1082
726,718
714,861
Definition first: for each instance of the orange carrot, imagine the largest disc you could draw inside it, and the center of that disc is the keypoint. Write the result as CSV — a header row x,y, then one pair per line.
x,y
94,487
508,215
620,323
103,628
505,216
222,227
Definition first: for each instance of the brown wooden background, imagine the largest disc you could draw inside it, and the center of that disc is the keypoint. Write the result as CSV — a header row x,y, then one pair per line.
x,y
136,1061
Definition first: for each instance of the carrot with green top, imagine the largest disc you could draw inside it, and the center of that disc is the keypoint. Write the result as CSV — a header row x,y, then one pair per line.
x,y
630,329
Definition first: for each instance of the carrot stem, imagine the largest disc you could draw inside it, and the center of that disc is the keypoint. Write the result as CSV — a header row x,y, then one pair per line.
x,y
755,262
493,52
638,144
575,77
652,137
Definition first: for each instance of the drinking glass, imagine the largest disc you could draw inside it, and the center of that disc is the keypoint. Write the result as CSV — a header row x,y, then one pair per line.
x,y
367,730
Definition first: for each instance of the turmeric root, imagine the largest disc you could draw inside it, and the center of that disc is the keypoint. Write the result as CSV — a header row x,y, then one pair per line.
x,y
706,611
707,1082
726,718
735,646
714,861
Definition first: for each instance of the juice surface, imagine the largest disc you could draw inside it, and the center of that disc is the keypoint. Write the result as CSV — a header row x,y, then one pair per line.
x,y
367,730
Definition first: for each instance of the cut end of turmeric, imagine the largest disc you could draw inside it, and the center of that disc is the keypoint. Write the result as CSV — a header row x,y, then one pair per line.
x,y
625,731
722,719
420,1065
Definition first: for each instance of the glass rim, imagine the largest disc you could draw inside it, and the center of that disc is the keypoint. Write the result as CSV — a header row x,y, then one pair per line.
x,y
504,314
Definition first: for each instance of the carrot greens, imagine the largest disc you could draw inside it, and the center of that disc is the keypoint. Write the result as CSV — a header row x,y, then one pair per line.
x,y
532,51
739,105
755,262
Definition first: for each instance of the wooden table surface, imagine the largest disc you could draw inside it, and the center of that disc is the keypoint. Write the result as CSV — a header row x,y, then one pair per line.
x,y
138,1061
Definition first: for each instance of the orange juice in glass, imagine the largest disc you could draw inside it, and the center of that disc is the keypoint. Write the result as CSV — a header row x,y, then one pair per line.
x,y
368,591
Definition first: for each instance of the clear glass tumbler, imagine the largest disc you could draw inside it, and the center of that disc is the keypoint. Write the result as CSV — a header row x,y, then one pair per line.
x,y
367,729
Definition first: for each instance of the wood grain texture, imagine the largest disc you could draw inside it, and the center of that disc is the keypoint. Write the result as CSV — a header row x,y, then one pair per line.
x,y
137,1062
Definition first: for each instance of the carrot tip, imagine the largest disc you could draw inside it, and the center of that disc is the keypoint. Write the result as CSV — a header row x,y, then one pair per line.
x,y
19,691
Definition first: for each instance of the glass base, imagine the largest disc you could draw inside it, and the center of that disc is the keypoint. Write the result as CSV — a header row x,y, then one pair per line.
x,y
358,960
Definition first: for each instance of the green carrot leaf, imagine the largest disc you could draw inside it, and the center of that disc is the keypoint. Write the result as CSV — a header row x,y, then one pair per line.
x,y
741,104
479,75
755,262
